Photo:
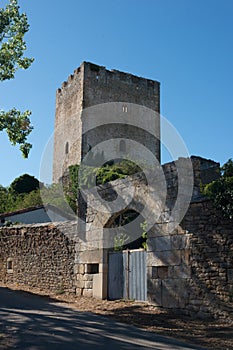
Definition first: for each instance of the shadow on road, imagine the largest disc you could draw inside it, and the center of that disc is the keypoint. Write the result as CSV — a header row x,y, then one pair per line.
x,y
38,323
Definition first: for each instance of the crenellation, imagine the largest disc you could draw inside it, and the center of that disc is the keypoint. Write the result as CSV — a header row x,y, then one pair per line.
x,y
71,77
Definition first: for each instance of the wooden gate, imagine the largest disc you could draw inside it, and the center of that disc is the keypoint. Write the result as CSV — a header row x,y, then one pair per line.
x,y
127,275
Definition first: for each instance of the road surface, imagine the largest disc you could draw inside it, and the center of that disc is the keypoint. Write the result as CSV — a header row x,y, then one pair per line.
x,y
39,323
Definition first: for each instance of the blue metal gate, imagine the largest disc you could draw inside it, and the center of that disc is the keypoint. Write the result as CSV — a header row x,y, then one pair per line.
x,y
115,275
127,275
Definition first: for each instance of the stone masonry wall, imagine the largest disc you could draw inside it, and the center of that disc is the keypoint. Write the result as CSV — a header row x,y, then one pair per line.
x,y
211,260
52,257
93,85
68,127
191,268
38,256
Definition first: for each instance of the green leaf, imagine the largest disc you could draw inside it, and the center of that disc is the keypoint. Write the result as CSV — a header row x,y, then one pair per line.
x,y
13,26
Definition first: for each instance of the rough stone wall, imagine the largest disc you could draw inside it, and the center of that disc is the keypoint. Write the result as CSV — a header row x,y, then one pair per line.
x,y
190,268
204,171
168,263
40,256
211,260
92,85
95,240
68,127
102,85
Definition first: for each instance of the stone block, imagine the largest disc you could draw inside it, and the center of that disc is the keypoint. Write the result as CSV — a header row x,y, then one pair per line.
x,y
166,258
162,272
174,293
169,295
92,256
79,291
185,256
154,291
159,244
100,286
80,268
88,284
80,284
180,271
94,234
87,278
180,241
230,275
88,293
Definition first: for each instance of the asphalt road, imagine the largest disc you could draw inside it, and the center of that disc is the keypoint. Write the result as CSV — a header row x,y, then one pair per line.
x,y
37,323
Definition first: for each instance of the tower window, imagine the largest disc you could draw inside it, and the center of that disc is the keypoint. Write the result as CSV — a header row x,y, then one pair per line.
x,y
125,108
67,148
122,146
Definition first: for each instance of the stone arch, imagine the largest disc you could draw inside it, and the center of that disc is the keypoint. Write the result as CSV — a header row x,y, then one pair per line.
x,y
121,220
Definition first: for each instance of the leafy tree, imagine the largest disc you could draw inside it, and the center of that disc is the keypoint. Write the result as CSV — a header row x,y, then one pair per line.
x,y
24,184
3,199
28,200
227,169
13,27
26,191
221,190
54,195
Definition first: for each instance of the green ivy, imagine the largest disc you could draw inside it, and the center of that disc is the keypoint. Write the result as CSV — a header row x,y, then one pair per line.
x,y
144,227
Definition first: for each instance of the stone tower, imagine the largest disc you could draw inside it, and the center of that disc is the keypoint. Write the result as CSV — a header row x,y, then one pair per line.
x,y
93,85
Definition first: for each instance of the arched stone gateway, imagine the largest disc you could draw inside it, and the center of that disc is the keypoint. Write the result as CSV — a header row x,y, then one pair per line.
x,y
183,261
189,268
127,259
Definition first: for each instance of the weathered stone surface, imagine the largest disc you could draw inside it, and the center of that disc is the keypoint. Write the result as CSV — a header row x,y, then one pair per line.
x,y
174,293
189,266
155,291
180,241
161,258
93,85
87,293
42,256
159,244
230,275
181,271
162,272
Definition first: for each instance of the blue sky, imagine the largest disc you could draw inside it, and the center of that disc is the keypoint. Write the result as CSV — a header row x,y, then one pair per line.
x,y
185,44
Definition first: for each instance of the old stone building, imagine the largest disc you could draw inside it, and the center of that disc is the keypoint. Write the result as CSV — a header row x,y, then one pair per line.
x,y
188,261
188,268
92,85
